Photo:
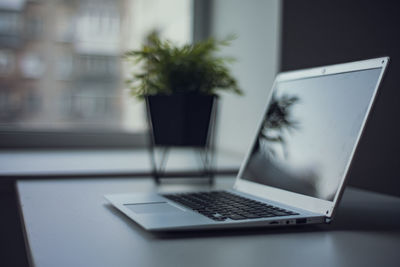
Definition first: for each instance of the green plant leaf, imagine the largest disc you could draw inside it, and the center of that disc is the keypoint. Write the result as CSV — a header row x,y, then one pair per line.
x,y
191,68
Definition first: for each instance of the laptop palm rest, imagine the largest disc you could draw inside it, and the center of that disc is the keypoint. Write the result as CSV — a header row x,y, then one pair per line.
x,y
152,207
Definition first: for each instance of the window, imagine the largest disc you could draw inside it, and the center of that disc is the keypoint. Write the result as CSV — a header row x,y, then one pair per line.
x,y
61,68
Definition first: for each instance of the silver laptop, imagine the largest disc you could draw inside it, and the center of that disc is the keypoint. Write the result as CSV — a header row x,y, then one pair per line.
x,y
295,170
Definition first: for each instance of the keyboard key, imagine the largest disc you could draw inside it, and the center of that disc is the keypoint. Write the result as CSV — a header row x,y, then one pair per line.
x,y
221,205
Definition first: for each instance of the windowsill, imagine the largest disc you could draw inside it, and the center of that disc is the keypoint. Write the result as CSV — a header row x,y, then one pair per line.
x,y
119,162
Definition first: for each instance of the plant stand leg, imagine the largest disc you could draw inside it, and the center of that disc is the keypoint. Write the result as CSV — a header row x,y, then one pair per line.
x,y
154,164
209,165
210,144
204,156
158,171
152,145
163,162
211,172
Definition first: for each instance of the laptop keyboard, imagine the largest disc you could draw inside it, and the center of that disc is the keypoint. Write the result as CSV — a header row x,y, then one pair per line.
x,y
222,205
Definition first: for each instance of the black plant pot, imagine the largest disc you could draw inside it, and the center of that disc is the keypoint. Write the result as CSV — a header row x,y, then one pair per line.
x,y
180,119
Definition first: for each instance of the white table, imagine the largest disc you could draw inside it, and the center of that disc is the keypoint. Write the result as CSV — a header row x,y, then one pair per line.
x,y
69,223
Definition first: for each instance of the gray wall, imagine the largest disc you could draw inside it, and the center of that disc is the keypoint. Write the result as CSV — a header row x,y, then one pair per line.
x,y
256,23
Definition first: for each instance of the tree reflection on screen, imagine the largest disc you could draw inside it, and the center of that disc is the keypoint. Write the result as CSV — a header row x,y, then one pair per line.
x,y
268,161
279,120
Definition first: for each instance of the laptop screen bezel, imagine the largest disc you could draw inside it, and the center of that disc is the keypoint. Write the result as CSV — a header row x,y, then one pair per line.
x,y
305,202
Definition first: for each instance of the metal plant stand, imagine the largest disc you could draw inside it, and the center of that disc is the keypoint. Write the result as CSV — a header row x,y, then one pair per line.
x,y
205,153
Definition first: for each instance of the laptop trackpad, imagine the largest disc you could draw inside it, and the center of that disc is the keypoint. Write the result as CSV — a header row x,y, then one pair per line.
x,y
152,207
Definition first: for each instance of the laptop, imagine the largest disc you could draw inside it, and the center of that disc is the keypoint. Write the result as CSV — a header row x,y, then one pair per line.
x,y
296,167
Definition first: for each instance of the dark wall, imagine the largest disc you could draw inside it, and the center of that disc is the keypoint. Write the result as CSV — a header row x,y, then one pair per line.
x,y
322,32
12,246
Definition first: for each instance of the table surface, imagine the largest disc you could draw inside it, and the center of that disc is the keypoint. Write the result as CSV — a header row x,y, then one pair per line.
x,y
69,223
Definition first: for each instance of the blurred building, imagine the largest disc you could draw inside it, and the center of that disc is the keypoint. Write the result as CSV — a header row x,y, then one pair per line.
x,y
60,63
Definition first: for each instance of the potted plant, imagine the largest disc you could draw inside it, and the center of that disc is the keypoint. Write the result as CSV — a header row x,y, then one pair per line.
x,y
180,85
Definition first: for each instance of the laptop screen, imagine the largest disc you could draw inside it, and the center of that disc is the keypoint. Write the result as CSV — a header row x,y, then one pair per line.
x,y
309,132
